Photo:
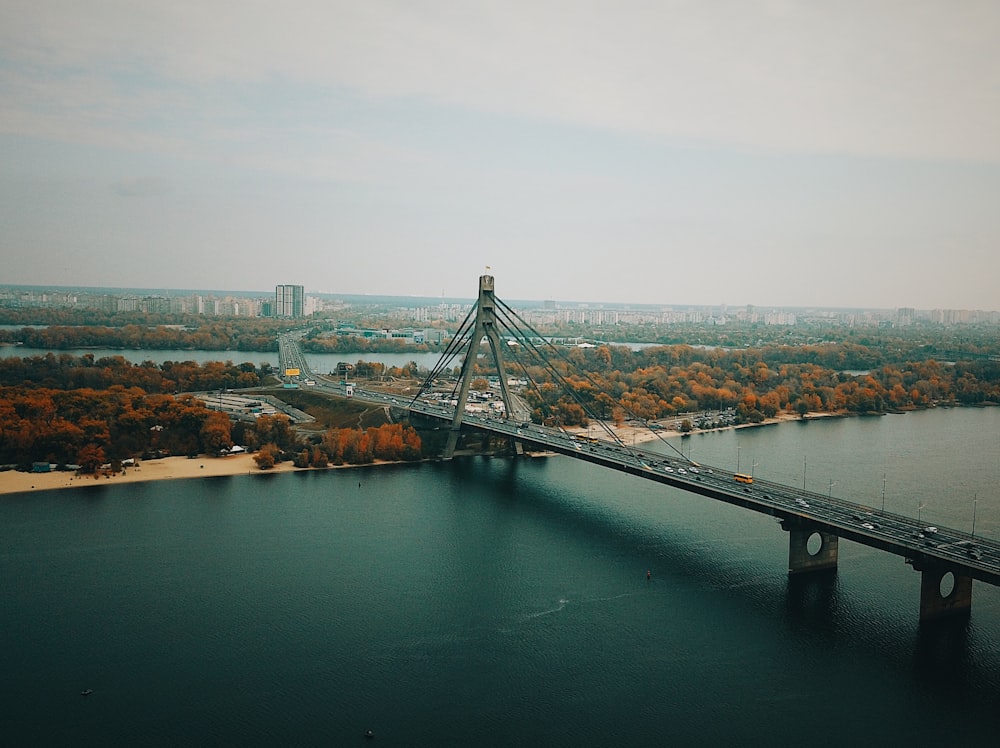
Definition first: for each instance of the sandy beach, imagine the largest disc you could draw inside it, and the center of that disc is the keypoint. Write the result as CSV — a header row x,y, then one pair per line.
x,y
167,468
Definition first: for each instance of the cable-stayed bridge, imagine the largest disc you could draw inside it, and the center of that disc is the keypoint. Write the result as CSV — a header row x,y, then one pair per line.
x,y
947,559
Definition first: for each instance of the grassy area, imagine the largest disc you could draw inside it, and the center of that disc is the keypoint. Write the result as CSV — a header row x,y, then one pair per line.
x,y
332,412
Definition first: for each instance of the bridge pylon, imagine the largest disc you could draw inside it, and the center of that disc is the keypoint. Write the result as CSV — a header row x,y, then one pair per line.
x,y
934,602
485,328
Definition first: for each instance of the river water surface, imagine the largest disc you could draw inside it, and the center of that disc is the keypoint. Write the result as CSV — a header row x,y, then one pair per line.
x,y
321,363
488,602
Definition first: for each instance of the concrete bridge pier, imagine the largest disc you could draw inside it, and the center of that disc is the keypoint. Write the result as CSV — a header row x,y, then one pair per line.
x,y
800,560
933,602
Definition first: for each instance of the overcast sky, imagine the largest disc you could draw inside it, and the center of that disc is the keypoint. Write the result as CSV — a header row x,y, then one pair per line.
x,y
667,152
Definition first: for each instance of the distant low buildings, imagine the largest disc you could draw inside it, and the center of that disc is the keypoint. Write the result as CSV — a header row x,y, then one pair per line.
x,y
291,302
409,335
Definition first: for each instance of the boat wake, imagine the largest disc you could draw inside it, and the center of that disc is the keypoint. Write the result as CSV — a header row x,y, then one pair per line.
x,y
608,599
563,602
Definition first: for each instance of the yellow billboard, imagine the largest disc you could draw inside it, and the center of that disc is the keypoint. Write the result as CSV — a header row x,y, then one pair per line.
x,y
291,372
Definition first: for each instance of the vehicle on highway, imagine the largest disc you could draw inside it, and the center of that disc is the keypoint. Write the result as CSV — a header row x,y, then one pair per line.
x,y
743,478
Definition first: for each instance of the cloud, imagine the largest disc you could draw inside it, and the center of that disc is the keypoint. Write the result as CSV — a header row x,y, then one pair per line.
x,y
900,78
140,187
765,138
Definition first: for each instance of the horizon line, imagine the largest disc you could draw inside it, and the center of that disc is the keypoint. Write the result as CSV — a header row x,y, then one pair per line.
x,y
471,300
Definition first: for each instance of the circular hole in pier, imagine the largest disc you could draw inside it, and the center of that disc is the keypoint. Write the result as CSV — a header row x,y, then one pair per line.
x,y
947,585
815,544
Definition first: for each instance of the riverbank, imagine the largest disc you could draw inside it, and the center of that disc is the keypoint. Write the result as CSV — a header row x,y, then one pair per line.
x,y
629,434
174,468
167,468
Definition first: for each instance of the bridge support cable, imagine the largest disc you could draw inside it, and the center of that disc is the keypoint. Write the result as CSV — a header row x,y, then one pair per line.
x,y
525,343
557,376
509,320
531,382
455,346
511,314
570,365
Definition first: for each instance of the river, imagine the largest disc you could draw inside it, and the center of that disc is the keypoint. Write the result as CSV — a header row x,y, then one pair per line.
x,y
319,362
490,602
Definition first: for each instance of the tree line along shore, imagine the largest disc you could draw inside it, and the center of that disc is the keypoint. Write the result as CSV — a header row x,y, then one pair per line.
x,y
94,412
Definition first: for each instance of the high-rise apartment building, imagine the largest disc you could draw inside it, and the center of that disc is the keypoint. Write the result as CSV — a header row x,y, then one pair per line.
x,y
289,301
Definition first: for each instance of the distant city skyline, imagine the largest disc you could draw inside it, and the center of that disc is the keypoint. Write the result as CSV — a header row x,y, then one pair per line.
x,y
781,154
297,301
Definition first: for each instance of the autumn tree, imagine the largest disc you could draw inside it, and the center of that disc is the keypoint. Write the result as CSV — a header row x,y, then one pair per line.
x,y
215,433
278,430
90,458
267,456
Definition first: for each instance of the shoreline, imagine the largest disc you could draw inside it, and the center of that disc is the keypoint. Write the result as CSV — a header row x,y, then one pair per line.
x,y
164,468
639,435
179,468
